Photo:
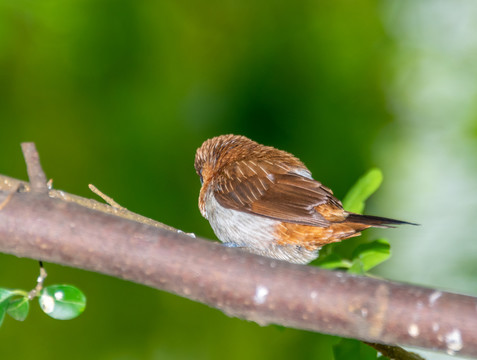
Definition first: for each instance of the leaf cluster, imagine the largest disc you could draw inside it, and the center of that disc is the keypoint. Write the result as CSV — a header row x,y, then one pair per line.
x,y
365,256
61,302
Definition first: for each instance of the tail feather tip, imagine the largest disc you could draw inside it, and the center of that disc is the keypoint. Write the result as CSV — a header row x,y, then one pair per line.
x,y
376,221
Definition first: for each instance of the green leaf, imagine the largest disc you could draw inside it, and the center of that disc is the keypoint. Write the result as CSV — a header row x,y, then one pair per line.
x,y
355,199
366,256
3,310
356,267
333,261
18,308
353,349
5,294
62,302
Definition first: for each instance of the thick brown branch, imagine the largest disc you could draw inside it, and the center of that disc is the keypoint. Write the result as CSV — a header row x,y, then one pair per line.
x,y
240,284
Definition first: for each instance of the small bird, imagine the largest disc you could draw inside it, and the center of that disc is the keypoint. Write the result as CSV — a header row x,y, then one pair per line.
x,y
265,201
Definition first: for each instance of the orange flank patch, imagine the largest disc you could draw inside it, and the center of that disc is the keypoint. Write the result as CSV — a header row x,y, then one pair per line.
x,y
314,237
331,213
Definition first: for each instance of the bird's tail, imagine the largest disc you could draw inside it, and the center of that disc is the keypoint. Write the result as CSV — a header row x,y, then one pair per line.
x,y
374,221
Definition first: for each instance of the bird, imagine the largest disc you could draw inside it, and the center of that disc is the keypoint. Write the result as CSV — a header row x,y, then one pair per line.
x,y
265,201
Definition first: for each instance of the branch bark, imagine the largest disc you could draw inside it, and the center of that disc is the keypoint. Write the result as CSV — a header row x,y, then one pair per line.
x,y
251,287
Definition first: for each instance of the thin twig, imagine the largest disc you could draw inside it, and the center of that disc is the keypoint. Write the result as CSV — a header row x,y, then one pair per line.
x,y
105,197
35,172
394,352
39,282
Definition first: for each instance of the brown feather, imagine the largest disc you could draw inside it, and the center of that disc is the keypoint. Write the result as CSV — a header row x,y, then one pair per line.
x,y
279,192
332,212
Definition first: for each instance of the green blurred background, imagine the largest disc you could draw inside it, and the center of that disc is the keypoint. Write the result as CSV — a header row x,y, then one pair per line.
x,y
121,93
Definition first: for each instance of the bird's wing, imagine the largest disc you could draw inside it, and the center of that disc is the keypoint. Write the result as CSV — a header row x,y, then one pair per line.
x,y
276,191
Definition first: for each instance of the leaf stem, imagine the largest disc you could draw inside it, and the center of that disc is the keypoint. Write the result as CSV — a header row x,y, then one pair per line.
x,y
39,282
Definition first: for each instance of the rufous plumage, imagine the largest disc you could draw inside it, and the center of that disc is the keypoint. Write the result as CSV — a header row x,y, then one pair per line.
x,y
265,201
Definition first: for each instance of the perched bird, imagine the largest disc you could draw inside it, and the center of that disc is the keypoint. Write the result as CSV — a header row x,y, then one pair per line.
x,y
265,201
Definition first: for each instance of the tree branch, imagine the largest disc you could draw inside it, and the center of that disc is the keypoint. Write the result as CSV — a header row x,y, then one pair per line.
x,y
81,234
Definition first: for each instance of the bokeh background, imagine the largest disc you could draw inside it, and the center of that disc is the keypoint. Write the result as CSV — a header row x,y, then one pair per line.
x,y
121,93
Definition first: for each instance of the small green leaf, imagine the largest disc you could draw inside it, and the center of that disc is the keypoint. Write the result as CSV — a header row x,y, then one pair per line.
x,y
5,294
3,310
18,308
366,185
353,349
333,261
366,256
62,302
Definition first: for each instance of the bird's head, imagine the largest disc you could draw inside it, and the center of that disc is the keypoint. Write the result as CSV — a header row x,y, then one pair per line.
x,y
219,151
